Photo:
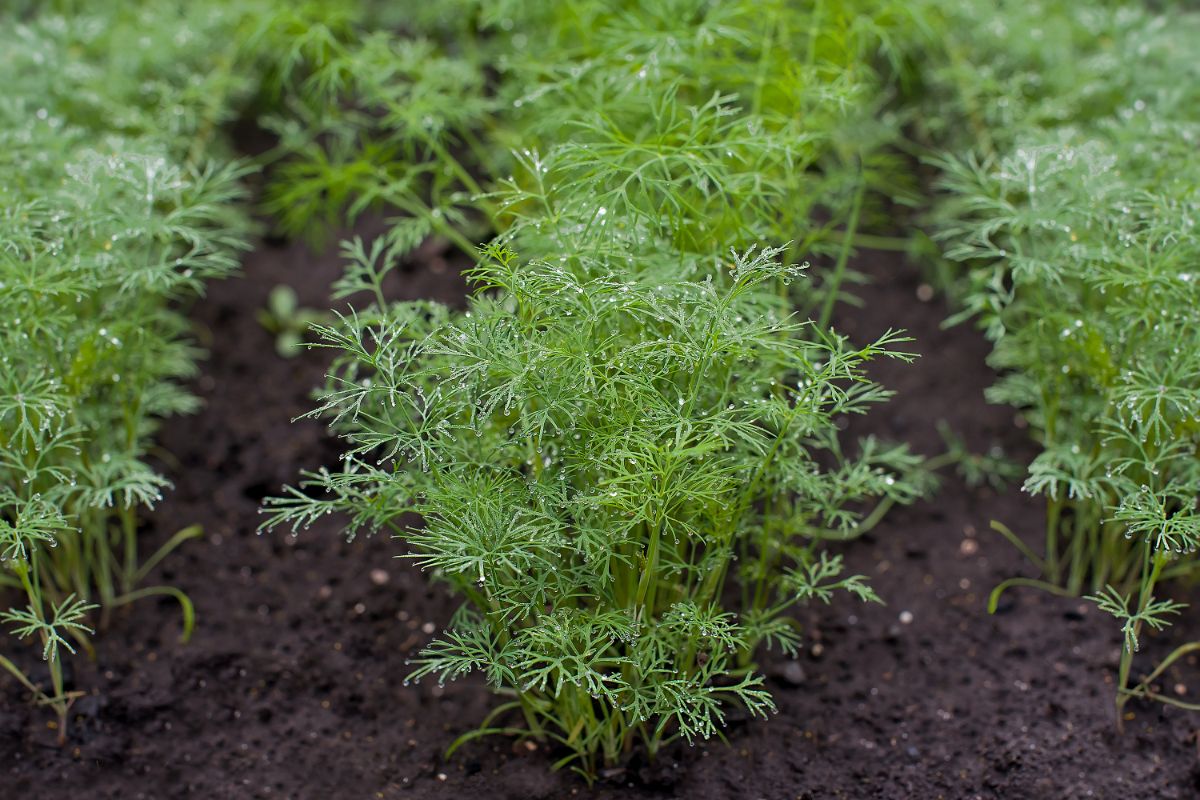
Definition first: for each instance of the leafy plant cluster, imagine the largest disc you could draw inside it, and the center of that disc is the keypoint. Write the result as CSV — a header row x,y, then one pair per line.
x,y
111,212
708,125
1074,201
598,458
625,452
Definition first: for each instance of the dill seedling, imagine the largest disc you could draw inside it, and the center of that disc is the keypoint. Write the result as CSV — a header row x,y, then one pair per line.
x,y
629,427
596,456
1075,209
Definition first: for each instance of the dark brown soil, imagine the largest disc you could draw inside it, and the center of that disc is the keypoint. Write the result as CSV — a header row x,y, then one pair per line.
x,y
291,686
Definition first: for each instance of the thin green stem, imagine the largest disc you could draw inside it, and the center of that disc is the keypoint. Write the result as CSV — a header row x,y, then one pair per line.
x,y
833,285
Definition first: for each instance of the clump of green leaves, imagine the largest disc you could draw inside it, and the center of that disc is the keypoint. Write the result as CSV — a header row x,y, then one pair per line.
x,y
710,125
110,215
1075,209
370,118
601,459
628,428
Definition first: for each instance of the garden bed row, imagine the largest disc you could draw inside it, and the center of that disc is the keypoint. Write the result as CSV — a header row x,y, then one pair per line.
x,y
291,685
638,446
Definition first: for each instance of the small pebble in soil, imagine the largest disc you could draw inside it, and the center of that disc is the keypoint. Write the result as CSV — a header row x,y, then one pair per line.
x,y
428,627
906,617
379,577
792,673
924,292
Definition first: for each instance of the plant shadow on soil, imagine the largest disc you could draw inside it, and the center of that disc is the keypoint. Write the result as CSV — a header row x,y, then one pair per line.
x,y
292,684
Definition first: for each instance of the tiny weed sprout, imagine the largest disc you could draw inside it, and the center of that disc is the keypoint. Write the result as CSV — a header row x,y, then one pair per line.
x,y
287,320
1077,216
602,461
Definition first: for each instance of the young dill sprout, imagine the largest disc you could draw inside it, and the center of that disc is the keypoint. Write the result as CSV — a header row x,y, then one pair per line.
x,y
629,425
596,455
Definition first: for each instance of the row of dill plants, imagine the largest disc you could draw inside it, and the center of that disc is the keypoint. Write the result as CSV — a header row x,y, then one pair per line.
x,y
1070,193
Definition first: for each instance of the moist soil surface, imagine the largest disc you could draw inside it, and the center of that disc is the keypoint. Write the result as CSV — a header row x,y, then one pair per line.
x,y
292,686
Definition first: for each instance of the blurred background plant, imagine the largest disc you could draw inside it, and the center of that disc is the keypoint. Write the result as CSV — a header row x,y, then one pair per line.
x,y
118,203
1069,192
707,125
288,321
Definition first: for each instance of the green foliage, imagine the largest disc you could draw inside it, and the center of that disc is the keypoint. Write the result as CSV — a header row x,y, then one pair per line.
x,y
723,123
64,617
1074,204
367,118
711,125
287,320
111,216
628,427
596,455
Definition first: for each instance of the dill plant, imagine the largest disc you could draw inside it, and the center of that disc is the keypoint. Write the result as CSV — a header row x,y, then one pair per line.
x,y
729,123
625,454
602,460
1075,210
369,118
112,213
